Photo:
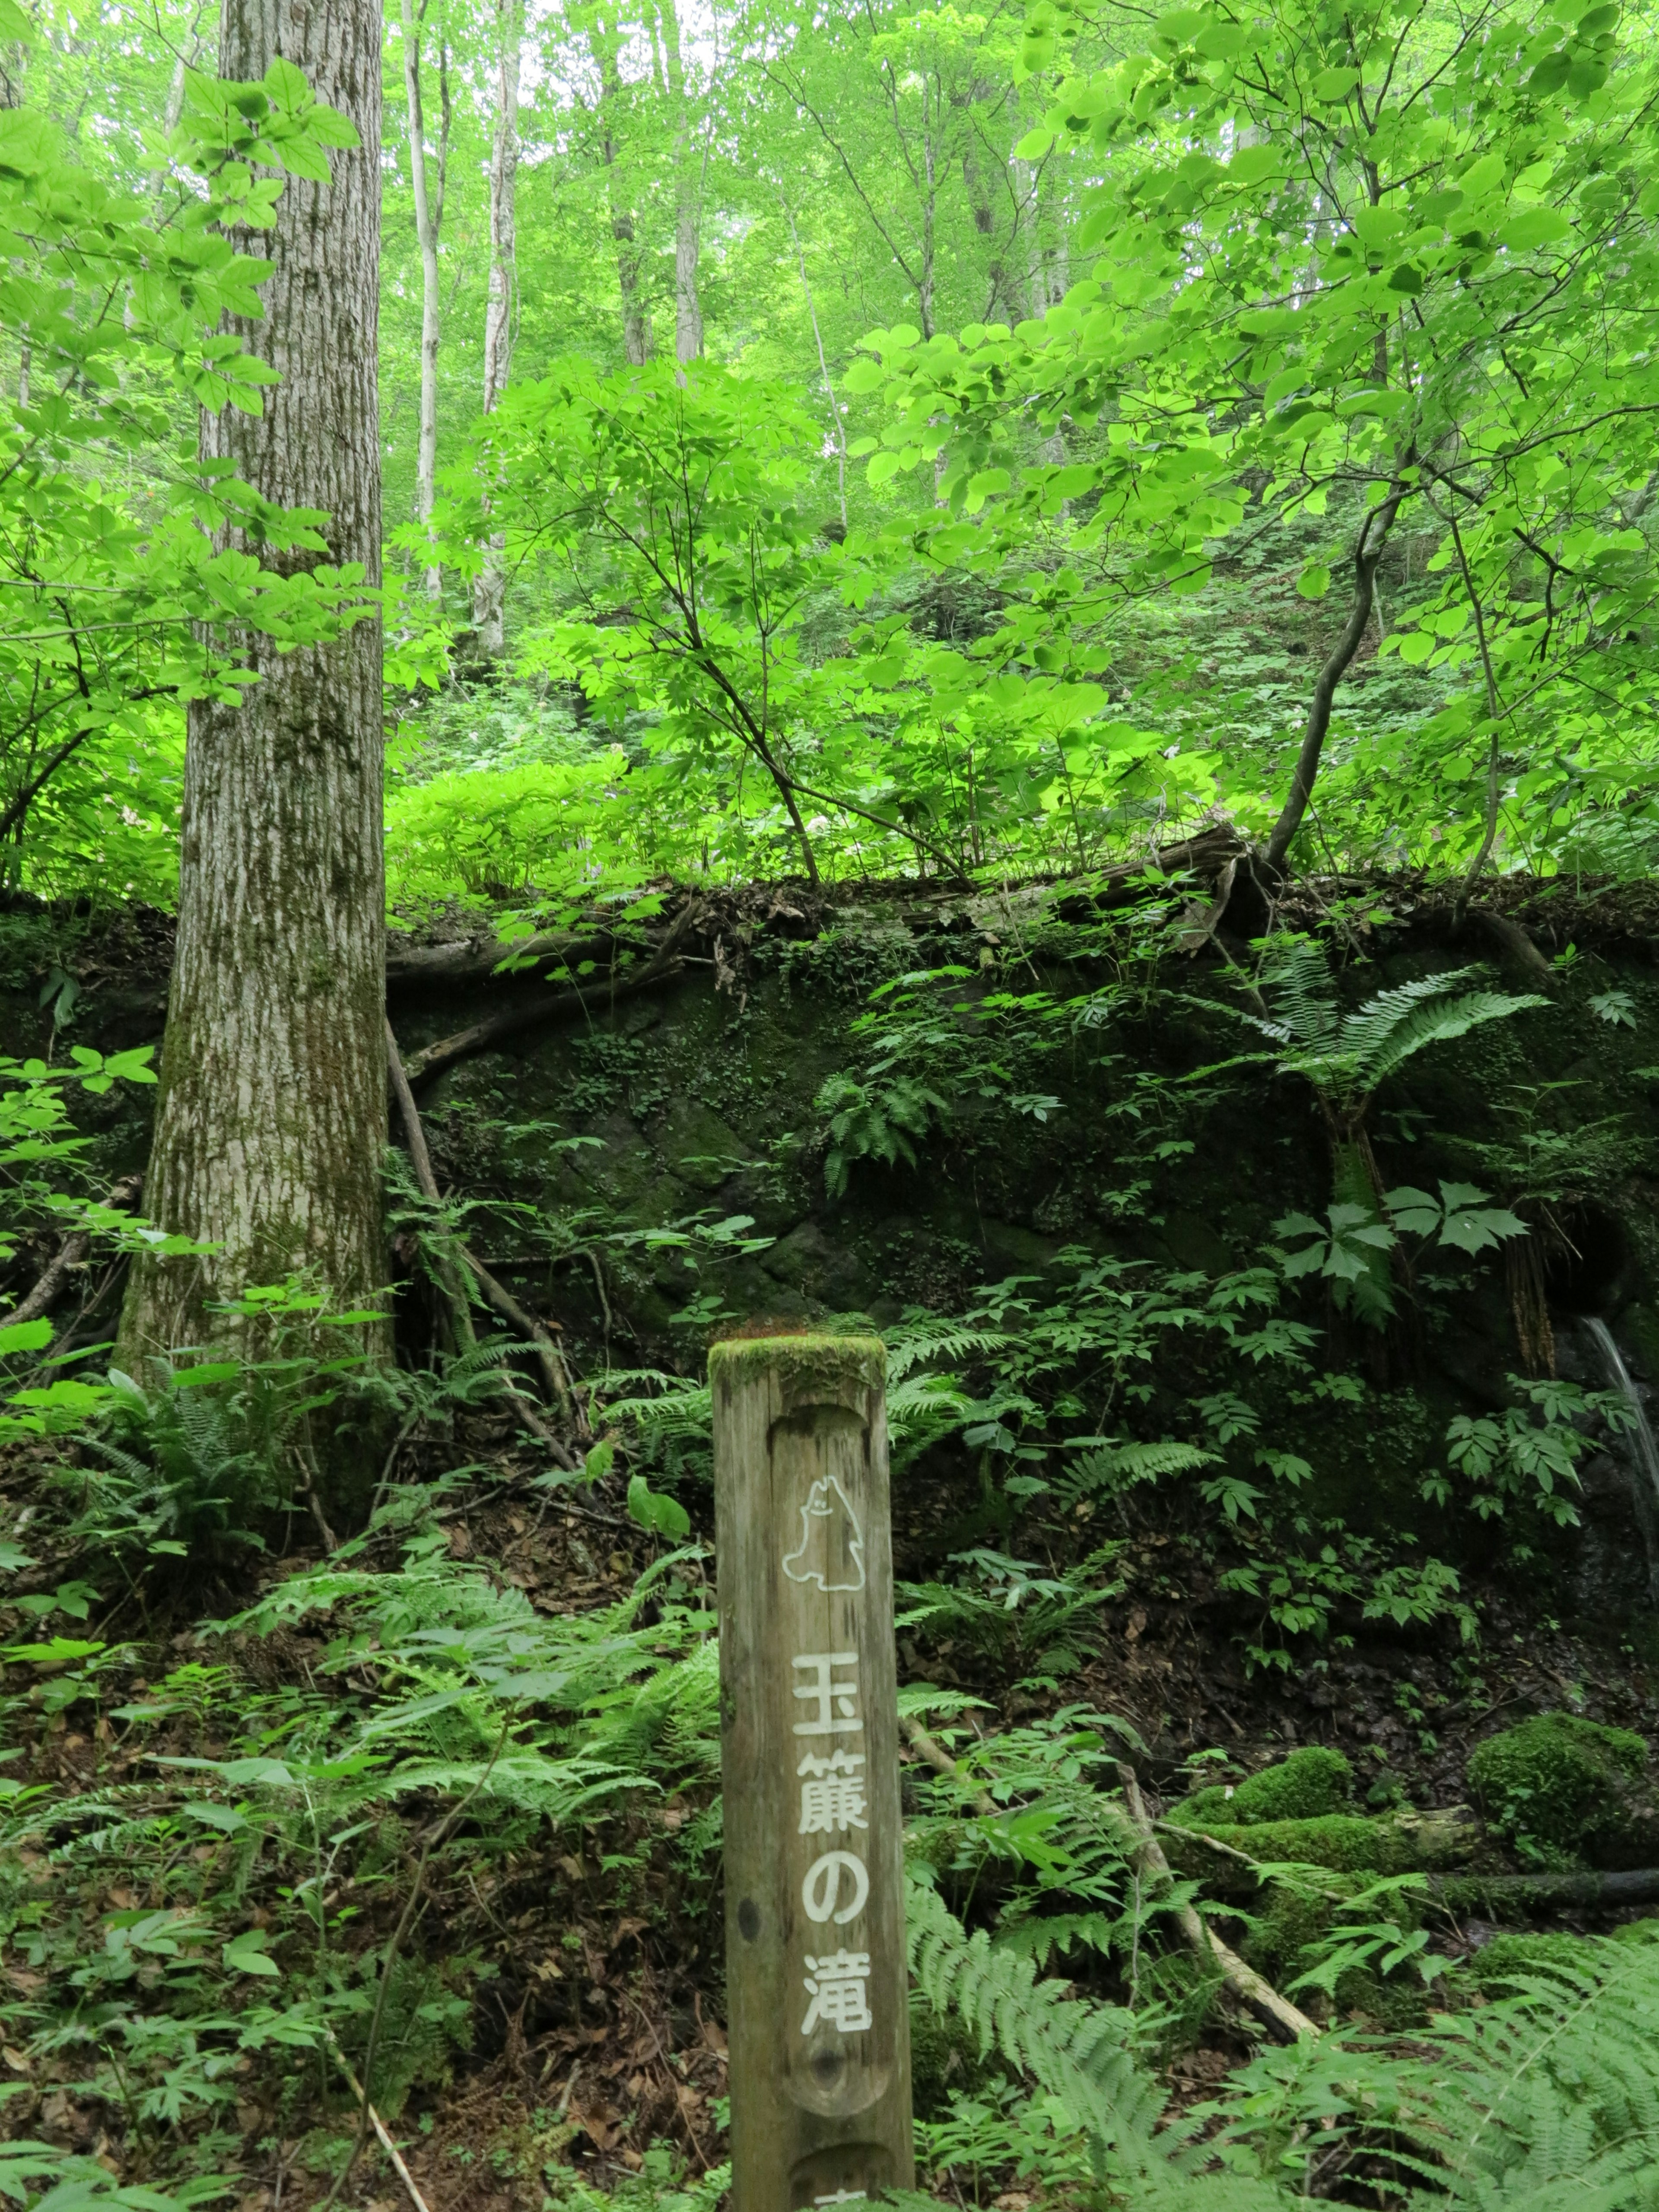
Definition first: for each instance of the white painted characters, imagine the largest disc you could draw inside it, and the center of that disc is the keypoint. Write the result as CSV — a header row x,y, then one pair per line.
x,y
836,1700
821,1887
830,1554
837,1987
832,1793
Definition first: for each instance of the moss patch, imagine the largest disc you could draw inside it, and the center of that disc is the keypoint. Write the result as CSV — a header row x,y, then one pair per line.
x,y
1343,1841
1560,1782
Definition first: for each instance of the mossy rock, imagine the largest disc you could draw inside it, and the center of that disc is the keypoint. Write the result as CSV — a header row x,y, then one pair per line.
x,y
945,2057
1308,1784
1563,1782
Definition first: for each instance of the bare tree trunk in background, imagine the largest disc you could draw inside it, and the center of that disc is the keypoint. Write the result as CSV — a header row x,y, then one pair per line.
x,y
688,210
824,368
175,106
604,40
500,314
428,221
985,176
272,1118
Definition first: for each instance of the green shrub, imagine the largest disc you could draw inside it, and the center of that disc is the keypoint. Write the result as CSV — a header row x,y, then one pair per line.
x,y
1558,1786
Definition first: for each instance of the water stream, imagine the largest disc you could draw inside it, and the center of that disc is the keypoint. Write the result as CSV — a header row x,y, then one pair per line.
x,y
1640,1446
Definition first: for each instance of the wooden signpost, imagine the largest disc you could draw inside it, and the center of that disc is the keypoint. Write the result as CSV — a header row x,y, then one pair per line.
x,y
817,2005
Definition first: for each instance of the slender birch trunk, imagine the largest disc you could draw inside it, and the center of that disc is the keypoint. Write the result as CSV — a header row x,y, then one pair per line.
x,y
824,368
500,311
429,217
272,1118
687,210
604,42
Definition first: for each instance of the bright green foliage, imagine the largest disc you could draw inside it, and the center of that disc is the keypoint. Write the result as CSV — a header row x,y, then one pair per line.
x,y
882,1120
1386,271
1561,1783
120,306
1511,1456
1345,1056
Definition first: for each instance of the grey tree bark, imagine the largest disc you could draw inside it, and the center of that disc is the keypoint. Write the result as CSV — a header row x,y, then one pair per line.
x,y
272,1117
429,223
688,210
502,309
604,42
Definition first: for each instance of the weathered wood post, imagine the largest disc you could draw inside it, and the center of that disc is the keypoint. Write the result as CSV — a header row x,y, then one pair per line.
x,y
818,2004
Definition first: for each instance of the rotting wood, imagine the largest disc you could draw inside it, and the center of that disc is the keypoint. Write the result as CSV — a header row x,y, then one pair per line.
x,y
478,959
1624,1885
1279,2015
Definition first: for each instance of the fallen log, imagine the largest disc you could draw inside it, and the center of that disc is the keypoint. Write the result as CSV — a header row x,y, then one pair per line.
x,y
662,967
478,959
1599,1891
1278,2014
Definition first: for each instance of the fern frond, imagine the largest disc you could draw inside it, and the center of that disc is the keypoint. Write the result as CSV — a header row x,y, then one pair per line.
x,y
1390,1029
1081,2052
1297,980
913,1344
1041,1937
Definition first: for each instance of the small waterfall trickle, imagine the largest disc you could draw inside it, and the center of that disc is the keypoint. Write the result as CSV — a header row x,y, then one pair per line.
x,y
1639,1448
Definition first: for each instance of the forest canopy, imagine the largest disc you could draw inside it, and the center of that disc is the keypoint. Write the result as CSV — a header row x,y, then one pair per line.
x,y
860,444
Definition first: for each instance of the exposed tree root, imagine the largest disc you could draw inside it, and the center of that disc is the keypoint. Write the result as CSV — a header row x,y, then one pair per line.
x,y
70,1255
500,1299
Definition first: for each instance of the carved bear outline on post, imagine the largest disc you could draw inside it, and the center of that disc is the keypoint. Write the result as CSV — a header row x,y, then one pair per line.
x,y
818,1557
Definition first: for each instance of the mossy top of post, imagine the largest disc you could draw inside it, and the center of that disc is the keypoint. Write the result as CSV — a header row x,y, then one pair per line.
x,y
803,1363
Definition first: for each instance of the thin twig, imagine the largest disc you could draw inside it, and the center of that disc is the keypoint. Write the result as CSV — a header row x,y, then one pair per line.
x,y
387,2143
441,1834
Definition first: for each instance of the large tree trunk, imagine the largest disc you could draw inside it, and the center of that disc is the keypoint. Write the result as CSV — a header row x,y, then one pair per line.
x,y
273,1107
500,311
688,197
429,218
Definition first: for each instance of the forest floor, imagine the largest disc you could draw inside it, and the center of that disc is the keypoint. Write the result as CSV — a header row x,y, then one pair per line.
x,y
595,2023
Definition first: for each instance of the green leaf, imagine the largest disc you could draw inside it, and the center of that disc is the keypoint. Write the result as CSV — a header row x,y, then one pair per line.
x,y
597,1463
222,1817
246,1954
1315,580
663,1516
1538,226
